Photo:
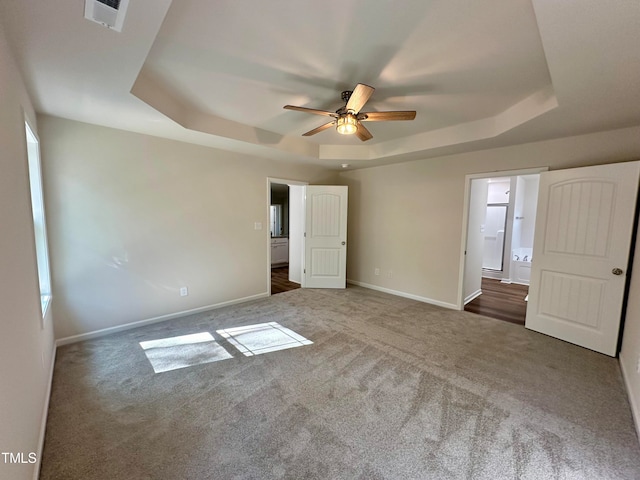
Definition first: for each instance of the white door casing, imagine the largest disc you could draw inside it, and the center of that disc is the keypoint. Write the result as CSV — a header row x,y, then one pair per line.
x,y
325,237
583,233
296,232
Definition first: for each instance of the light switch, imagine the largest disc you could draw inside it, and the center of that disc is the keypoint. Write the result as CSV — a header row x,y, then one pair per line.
x,y
257,226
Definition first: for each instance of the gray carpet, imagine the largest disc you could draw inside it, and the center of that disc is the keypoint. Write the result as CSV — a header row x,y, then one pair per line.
x,y
390,388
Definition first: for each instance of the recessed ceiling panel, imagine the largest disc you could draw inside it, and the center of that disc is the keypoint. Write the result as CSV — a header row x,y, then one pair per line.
x,y
451,61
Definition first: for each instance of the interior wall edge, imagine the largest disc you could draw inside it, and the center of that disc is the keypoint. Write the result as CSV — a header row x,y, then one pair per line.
x,y
634,403
45,413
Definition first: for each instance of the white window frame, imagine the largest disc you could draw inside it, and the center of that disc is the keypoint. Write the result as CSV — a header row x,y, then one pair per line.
x,y
39,223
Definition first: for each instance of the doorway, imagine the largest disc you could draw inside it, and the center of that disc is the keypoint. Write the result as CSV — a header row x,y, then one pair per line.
x,y
279,230
286,230
584,234
317,234
499,222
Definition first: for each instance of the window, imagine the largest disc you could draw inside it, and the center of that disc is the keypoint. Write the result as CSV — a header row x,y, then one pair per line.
x,y
37,207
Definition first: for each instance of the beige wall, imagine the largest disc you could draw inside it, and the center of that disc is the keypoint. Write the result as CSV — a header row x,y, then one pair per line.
x,y
132,218
407,218
26,347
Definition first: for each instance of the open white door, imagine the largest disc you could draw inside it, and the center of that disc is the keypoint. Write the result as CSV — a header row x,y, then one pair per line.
x,y
325,237
581,249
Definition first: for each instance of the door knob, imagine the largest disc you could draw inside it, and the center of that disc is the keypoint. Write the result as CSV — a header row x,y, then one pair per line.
x,y
344,243
617,271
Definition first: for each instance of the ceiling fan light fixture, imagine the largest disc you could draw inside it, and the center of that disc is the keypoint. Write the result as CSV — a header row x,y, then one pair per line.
x,y
349,119
347,124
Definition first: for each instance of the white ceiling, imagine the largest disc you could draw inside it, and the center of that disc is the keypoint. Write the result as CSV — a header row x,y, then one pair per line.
x,y
479,74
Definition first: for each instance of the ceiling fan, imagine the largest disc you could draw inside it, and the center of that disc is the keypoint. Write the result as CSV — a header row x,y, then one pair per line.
x,y
348,119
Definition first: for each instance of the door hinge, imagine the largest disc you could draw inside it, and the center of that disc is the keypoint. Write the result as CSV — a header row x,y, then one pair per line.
x,y
304,270
304,234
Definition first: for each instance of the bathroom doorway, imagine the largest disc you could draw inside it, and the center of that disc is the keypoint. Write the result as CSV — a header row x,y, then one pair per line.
x,y
500,225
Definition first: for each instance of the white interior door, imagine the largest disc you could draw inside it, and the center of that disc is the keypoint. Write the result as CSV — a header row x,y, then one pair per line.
x,y
581,248
325,237
475,239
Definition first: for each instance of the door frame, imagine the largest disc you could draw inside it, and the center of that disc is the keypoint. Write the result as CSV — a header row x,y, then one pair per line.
x,y
465,217
281,181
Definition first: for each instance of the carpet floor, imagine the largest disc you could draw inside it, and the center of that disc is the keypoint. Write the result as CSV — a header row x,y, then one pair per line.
x,y
389,388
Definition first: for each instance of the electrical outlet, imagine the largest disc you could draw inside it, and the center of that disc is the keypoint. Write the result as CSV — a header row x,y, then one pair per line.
x,y
390,274
184,291
376,271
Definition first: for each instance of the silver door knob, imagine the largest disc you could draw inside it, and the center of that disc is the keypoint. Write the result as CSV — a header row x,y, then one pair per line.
x,y
617,271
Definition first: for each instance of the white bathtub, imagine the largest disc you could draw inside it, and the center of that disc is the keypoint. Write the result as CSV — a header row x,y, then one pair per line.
x,y
520,271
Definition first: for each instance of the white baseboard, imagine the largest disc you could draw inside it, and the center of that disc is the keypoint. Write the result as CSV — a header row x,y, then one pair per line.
x,y
633,402
45,416
473,296
128,326
492,274
430,301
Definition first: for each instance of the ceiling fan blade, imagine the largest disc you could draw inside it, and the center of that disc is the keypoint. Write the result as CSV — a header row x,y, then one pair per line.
x,y
359,97
386,116
362,133
310,110
319,129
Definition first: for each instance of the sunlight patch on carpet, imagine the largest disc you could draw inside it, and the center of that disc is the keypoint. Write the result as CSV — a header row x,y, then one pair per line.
x,y
166,354
262,338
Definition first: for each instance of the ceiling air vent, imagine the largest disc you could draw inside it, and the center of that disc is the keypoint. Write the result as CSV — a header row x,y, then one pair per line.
x,y
108,13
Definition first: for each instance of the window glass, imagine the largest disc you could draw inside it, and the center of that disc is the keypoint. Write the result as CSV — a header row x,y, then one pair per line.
x,y
39,227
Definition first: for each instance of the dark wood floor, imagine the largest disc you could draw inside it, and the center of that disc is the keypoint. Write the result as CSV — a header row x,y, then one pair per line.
x,y
280,281
504,301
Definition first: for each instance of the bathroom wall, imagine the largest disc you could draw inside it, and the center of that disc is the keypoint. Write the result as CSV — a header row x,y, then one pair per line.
x,y
498,191
527,228
518,213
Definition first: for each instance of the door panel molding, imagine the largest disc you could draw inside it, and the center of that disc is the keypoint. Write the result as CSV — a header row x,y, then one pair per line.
x,y
326,237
